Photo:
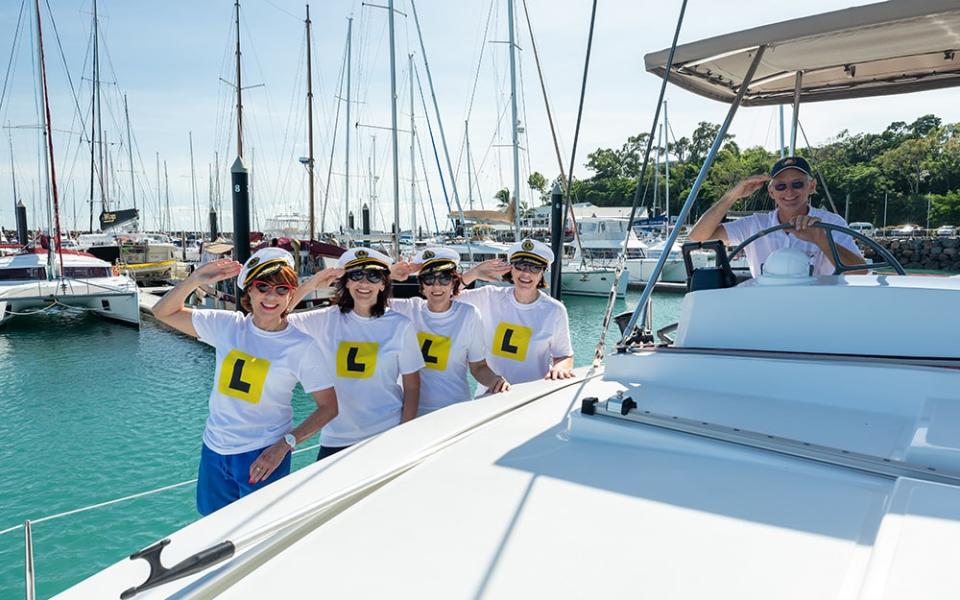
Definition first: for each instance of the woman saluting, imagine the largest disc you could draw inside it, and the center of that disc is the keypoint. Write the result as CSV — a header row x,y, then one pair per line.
x,y
249,433
374,350
527,331
450,333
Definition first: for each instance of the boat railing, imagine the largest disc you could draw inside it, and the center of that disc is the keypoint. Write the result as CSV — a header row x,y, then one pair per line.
x,y
27,525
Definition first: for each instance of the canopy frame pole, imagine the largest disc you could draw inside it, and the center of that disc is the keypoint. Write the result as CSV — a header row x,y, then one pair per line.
x,y
796,113
642,306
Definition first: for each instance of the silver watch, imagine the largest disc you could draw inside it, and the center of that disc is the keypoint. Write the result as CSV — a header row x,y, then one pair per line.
x,y
291,440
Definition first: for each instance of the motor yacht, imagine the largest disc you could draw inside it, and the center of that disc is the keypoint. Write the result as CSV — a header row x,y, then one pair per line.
x,y
81,282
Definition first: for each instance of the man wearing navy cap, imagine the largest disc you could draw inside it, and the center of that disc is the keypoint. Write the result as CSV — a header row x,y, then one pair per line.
x,y
790,184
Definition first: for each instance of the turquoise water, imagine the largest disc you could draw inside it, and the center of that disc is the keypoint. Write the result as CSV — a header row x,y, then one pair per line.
x,y
91,411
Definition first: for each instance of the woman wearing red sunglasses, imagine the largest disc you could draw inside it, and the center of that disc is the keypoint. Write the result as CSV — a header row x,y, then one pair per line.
x,y
374,350
249,434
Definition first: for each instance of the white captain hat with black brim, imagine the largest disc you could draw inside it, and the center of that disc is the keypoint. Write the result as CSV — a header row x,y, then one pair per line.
x,y
437,259
531,250
264,262
364,258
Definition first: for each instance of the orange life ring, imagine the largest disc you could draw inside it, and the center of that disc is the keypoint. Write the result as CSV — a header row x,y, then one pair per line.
x,y
115,270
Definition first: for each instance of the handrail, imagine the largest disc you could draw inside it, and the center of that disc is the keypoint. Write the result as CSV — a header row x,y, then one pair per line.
x,y
640,312
90,507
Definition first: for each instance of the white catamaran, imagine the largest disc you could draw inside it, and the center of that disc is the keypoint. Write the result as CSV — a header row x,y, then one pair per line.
x,y
756,456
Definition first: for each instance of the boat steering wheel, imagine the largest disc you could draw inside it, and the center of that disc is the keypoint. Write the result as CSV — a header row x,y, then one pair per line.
x,y
839,266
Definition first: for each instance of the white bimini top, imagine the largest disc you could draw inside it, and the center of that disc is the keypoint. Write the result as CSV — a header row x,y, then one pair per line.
x,y
448,342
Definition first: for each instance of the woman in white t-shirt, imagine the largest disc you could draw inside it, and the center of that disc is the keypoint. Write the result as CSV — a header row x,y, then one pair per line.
x,y
450,333
526,331
249,434
374,349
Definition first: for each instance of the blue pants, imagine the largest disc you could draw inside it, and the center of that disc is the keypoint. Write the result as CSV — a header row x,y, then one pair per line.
x,y
224,478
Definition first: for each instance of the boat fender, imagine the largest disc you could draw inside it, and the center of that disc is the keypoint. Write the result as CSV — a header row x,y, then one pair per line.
x,y
589,405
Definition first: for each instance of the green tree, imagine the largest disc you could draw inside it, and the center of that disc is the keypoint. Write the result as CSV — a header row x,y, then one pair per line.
x,y
502,197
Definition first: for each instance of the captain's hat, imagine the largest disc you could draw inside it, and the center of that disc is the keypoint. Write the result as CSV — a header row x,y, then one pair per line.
x,y
364,258
437,259
264,262
531,250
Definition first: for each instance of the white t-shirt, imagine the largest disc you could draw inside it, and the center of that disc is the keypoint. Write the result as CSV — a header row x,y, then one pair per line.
x,y
254,380
448,341
758,251
522,339
370,355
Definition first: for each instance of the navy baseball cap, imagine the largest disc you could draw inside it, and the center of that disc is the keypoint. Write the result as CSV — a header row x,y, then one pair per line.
x,y
791,162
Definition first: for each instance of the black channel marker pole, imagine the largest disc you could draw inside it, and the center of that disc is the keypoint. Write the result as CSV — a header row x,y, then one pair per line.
x,y
556,238
240,180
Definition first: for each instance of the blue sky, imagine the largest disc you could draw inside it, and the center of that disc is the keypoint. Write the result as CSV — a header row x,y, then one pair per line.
x,y
168,58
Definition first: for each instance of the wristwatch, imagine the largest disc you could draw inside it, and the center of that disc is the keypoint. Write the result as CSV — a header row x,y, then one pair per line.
x,y
291,440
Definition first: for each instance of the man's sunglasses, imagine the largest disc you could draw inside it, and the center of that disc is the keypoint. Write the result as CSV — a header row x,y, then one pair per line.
x,y
797,184
528,267
280,289
371,275
436,278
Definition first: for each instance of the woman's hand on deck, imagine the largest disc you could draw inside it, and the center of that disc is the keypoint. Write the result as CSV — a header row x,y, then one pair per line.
x,y
560,372
500,384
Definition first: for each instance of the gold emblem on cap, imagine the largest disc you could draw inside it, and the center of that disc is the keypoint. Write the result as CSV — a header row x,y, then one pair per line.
x,y
361,254
789,161
527,245
428,254
253,261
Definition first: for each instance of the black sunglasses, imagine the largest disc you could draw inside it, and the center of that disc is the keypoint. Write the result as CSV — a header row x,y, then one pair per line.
x,y
797,184
528,267
434,278
371,275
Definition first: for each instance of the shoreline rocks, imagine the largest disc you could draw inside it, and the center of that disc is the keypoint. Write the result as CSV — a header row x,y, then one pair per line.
x,y
931,253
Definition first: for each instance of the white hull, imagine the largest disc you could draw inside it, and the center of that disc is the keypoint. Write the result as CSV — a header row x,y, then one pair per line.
x,y
111,297
501,494
674,270
591,282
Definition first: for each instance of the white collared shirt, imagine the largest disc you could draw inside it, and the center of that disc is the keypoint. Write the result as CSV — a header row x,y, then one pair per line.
x,y
760,249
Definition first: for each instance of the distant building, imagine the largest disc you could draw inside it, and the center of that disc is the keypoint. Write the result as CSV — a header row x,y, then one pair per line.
x,y
540,216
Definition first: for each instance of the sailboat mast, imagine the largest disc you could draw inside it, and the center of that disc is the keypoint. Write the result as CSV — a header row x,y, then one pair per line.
x,y
310,128
514,122
133,185
93,114
193,186
13,175
159,206
393,133
239,88
48,131
666,161
346,153
166,187
466,135
413,163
